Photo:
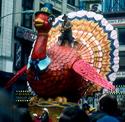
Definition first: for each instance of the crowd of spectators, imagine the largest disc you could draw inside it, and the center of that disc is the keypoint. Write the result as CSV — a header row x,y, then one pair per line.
x,y
108,111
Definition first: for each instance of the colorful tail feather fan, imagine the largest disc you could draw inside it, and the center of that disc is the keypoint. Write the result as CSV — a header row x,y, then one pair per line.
x,y
97,41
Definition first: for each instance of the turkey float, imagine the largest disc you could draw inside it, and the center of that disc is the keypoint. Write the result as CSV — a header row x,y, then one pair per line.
x,y
61,70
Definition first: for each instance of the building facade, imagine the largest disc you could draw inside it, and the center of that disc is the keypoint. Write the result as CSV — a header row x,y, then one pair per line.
x,y
6,29
16,28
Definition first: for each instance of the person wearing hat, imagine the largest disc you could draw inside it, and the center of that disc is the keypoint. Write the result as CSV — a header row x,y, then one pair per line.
x,y
108,110
66,30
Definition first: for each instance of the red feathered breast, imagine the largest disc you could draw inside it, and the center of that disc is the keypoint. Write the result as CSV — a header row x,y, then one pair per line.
x,y
58,77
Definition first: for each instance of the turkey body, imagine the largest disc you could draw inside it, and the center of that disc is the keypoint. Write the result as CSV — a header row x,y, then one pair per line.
x,y
58,78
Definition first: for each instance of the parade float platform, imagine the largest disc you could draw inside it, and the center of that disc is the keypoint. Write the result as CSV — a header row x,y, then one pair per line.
x,y
55,107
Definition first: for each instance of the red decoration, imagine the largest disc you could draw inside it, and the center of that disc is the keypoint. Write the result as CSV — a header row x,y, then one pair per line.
x,y
67,73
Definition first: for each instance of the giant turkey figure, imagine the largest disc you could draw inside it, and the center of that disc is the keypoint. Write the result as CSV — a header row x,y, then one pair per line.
x,y
55,70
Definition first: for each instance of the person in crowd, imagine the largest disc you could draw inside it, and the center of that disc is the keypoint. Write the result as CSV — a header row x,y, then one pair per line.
x,y
73,114
36,118
66,32
25,115
88,109
122,108
45,116
8,110
108,110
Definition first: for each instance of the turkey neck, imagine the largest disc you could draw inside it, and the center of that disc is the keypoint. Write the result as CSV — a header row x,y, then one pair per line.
x,y
39,51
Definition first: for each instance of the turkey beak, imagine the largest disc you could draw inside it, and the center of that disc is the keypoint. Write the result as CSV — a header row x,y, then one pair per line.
x,y
39,22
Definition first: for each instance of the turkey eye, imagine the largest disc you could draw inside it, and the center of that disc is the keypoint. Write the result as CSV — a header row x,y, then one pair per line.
x,y
51,19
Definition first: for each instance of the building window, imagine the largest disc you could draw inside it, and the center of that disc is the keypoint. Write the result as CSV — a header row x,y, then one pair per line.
x,y
40,6
121,36
27,18
94,5
113,5
17,56
71,2
22,52
122,61
82,5
26,49
56,12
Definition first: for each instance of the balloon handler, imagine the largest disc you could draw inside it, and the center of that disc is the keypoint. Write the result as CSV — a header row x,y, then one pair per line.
x,y
66,32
